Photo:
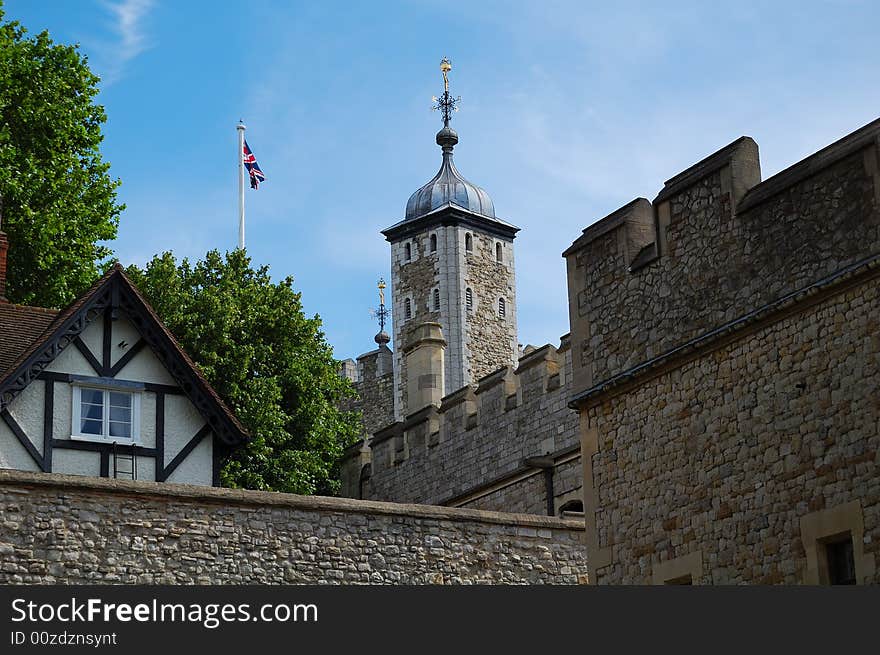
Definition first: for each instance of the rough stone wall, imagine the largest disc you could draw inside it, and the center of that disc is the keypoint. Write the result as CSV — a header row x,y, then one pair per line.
x,y
490,338
716,265
479,438
70,530
726,454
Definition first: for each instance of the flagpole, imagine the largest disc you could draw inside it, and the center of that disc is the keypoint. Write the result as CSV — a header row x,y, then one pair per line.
x,y
240,128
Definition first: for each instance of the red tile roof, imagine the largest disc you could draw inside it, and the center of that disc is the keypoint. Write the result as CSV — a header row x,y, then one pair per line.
x,y
20,326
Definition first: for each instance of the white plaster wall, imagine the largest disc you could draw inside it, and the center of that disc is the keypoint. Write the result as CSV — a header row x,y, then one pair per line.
x,y
148,420
12,453
123,330
27,410
72,361
145,367
93,337
61,421
197,468
76,462
182,421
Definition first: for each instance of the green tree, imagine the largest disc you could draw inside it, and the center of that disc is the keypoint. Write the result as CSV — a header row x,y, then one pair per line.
x,y
266,359
58,200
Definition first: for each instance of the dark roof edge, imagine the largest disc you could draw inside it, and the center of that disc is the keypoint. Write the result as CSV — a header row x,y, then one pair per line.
x,y
450,215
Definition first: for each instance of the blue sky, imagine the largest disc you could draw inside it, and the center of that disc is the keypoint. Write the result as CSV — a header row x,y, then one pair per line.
x,y
569,110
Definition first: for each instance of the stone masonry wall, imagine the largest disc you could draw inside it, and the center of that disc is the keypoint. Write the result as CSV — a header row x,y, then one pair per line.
x,y
481,435
722,253
727,455
490,338
72,530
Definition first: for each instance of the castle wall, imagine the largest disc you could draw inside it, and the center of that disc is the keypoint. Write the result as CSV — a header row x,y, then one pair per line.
x,y
727,372
728,455
58,529
471,450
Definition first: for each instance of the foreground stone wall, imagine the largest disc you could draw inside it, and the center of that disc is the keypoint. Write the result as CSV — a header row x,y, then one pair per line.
x,y
74,530
720,465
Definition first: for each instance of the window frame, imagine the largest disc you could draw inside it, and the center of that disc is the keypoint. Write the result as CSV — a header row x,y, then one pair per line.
x,y
106,388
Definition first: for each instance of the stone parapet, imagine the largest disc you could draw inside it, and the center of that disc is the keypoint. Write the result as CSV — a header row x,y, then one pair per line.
x,y
77,530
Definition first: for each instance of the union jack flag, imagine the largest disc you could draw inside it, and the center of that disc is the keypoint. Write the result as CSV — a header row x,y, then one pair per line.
x,y
250,163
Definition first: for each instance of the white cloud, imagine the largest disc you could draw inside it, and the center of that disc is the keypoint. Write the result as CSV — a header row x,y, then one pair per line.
x,y
129,17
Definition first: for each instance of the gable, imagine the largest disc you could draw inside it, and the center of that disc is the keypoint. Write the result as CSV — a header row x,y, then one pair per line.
x,y
112,332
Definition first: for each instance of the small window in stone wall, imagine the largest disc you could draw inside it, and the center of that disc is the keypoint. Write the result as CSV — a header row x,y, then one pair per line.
x,y
407,309
436,300
498,253
407,251
502,308
469,299
841,564
433,242
468,242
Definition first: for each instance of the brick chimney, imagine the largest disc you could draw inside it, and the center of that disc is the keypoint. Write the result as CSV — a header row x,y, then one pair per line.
x,y
4,246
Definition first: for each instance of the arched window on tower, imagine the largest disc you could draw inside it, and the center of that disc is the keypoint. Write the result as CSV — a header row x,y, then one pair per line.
x,y
469,299
502,308
468,242
498,252
407,249
407,309
436,300
433,242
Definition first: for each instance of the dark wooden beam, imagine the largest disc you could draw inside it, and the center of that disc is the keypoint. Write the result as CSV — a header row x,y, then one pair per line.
x,y
23,438
90,358
185,451
126,358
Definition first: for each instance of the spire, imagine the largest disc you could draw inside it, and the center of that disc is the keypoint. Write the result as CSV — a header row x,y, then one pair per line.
x,y
382,337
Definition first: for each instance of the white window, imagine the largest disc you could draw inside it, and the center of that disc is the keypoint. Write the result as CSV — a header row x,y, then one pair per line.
x,y
106,414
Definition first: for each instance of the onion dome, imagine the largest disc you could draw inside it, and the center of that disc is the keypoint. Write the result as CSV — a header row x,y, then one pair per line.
x,y
449,187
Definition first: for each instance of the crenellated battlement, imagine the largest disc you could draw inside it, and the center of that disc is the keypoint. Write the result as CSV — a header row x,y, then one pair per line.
x,y
470,449
715,244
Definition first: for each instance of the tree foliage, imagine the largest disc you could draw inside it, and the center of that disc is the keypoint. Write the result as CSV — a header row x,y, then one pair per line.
x,y
266,359
58,200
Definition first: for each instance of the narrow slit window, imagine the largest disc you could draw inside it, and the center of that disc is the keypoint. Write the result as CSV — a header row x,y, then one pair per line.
x,y
407,250
498,253
502,308
468,242
469,299
436,300
433,242
407,309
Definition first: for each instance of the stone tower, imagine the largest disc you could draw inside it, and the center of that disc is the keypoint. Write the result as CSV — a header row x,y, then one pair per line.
x,y
452,264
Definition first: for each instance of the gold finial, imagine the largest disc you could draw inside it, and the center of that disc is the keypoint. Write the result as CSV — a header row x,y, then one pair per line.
x,y
381,286
445,67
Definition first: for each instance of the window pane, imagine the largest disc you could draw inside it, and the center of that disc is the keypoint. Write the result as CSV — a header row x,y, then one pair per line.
x,y
89,426
118,429
120,399
91,411
122,414
92,396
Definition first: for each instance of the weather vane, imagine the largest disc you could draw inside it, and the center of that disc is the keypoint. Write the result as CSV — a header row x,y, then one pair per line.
x,y
381,313
446,104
